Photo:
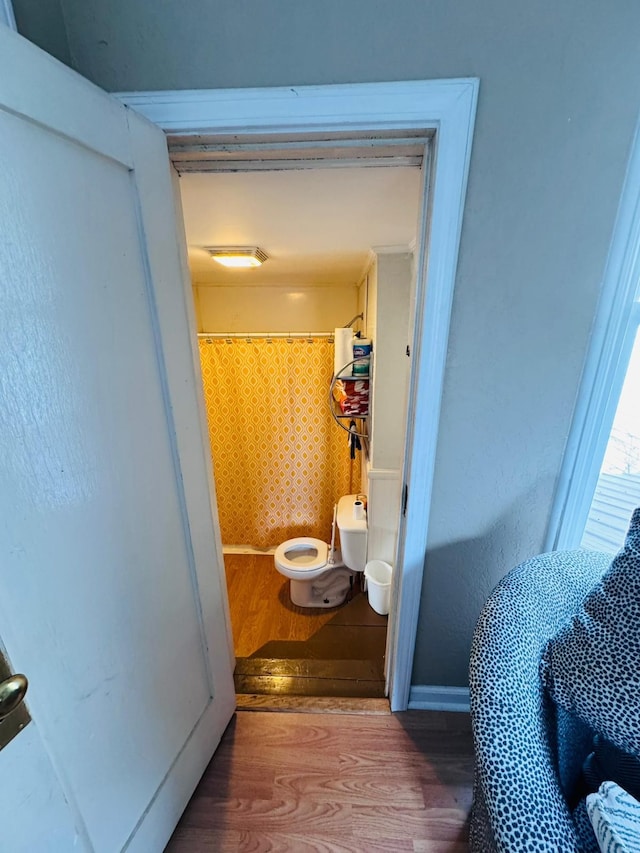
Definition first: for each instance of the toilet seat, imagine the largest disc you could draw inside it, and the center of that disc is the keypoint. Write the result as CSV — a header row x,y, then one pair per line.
x,y
303,554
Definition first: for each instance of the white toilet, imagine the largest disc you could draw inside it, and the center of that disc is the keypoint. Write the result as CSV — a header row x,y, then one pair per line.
x,y
317,577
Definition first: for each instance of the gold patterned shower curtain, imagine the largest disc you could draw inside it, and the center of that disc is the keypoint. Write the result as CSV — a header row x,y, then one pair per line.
x,y
280,460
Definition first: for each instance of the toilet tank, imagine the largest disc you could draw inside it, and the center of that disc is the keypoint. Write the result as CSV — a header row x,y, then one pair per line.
x,y
353,534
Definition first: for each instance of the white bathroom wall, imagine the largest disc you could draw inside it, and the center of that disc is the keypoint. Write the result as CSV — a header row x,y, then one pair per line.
x,y
368,298
242,308
383,512
387,296
389,330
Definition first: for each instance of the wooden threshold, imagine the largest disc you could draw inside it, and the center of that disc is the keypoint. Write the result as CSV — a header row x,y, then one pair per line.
x,y
313,704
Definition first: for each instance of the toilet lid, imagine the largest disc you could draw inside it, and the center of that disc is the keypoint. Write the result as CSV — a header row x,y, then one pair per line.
x,y
303,553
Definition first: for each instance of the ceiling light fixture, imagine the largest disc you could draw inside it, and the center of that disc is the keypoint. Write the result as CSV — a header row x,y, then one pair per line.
x,y
238,257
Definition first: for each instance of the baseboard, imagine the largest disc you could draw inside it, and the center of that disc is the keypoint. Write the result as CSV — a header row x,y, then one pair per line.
x,y
427,698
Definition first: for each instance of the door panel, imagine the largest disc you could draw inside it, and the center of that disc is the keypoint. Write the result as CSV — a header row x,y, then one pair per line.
x,y
112,599
34,784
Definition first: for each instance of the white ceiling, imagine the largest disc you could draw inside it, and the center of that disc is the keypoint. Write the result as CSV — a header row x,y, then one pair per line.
x,y
316,225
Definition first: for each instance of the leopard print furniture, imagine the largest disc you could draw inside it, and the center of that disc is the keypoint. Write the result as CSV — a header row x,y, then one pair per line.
x,y
528,752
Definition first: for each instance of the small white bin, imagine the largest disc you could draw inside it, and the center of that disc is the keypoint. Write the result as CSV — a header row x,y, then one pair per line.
x,y
378,575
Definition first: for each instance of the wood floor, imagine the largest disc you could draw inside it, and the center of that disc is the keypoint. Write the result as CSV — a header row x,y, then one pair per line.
x,y
261,609
284,650
320,783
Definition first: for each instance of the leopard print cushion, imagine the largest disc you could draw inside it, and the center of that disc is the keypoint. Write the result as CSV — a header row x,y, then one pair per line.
x,y
528,752
592,667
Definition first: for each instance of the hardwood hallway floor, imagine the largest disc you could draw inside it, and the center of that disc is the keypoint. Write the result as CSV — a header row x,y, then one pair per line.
x,y
284,650
325,783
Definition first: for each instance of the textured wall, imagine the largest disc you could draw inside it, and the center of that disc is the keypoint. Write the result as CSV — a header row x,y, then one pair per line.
x,y
241,308
557,110
42,22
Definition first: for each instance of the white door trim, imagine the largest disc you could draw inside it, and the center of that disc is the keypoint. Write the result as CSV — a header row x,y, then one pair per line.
x,y
6,14
449,108
604,371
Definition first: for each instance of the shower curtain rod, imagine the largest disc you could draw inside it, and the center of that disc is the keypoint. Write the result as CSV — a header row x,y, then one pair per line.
x,y
266,335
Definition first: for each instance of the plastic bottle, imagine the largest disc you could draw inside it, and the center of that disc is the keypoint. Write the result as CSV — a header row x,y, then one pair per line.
x,y
362,352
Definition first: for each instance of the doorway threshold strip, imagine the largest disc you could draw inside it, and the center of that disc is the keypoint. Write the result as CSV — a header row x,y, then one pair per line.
x,y
313,704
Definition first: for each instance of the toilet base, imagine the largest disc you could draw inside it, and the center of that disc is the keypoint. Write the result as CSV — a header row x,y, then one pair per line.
x,y
329,589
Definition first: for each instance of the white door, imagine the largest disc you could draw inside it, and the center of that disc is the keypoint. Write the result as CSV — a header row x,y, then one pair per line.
x,y
112,599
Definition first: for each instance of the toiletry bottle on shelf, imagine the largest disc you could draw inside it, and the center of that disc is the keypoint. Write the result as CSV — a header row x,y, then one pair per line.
x,y
361,352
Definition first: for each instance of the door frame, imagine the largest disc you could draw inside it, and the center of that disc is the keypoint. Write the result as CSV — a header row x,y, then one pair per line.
x,y
7,15
447,107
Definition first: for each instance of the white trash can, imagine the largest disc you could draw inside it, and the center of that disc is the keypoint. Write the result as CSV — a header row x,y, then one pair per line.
x,y
378,575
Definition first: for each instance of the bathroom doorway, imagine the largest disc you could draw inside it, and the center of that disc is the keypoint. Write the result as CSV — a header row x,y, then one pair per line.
x,y
200,124
339,239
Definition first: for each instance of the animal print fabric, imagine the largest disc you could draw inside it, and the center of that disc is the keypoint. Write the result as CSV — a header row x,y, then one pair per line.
x,y
528,753
592,667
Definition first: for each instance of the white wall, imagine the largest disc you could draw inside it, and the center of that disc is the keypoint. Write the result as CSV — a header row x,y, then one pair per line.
x,y
273,309
384,488
386,293
557,109
368,298
390,334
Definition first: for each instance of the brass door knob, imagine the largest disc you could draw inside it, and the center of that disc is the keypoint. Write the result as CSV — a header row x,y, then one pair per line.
x,y
12,692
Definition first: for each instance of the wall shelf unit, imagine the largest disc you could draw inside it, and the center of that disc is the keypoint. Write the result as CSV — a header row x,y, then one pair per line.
x,y
357,398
